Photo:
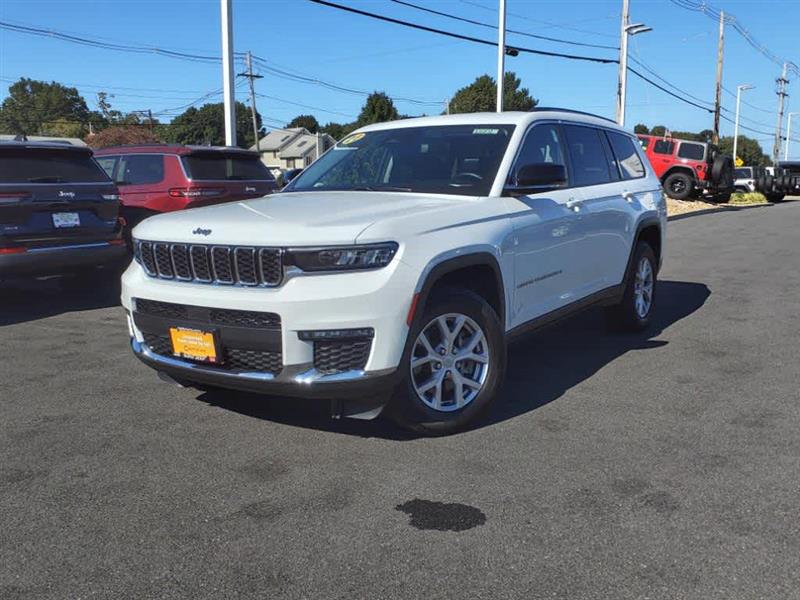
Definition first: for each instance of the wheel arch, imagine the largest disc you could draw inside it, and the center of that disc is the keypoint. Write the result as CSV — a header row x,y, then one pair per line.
x,y
678,169
478,271
648,230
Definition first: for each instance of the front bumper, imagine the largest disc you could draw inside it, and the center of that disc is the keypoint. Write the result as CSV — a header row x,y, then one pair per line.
x,y
298,380
378,300
61,259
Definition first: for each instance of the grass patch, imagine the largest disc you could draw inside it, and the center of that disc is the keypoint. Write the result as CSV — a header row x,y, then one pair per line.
x,y
748,198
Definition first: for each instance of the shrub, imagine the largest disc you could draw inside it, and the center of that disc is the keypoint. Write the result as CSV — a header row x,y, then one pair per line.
x,y
748,198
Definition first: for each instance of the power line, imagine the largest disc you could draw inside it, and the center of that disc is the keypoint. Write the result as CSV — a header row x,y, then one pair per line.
x,y
459,36
308,106
490,26
548,23
713,13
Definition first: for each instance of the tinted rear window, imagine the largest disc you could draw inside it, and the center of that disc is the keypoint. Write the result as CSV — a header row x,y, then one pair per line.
x,y
588,156
49,166
218,166
744,173
691,151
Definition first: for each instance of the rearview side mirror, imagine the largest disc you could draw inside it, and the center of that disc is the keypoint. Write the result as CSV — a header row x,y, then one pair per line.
x,y
538,177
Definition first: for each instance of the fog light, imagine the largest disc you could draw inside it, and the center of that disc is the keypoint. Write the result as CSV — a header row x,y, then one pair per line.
x,y
336,334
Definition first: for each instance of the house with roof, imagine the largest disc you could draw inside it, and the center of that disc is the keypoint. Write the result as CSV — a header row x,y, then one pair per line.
x,y
292,148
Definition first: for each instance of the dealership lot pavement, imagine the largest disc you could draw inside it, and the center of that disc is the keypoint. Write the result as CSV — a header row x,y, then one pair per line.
x,y
660,466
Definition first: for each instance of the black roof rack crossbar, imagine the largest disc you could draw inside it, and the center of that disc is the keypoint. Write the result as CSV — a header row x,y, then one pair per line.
x,y
569,110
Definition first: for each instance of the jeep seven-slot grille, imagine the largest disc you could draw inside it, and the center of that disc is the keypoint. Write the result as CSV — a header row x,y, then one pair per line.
x,y
201,263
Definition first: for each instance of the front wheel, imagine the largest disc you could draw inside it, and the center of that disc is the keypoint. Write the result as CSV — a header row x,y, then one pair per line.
x,y
453,367
634,311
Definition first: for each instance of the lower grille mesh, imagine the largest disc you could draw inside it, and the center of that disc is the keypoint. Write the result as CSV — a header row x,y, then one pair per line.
x,y
338,356
234,359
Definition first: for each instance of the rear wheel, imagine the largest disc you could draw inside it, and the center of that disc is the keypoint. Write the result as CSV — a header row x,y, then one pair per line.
x,y
679,186
453,367
634,311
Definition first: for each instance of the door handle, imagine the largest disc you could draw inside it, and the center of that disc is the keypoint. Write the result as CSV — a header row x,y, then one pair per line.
x,y
574,204
628,196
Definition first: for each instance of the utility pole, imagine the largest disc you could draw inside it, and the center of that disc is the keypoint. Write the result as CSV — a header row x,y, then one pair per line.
x,y
150,119
782,94
226,11
501,55
447,106
252,77
718,96
622,80
626,30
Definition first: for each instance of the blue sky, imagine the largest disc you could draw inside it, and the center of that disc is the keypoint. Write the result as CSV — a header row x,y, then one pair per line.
x,y
354,51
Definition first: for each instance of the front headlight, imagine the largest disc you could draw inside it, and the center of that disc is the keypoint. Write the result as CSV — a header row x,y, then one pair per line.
x,y
343,258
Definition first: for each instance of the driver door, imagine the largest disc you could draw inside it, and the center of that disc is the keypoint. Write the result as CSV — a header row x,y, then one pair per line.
x,y
547,233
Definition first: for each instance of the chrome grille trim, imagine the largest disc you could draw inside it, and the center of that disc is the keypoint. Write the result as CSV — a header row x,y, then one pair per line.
x,y
246,266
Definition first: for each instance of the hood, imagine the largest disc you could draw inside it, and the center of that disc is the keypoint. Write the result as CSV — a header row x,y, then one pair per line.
x,y
291,219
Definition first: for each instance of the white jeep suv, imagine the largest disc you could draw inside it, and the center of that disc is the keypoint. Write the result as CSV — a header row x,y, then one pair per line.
x,y
392,271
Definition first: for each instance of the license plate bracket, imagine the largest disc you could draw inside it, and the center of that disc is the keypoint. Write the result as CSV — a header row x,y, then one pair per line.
x,y
195,344
64,220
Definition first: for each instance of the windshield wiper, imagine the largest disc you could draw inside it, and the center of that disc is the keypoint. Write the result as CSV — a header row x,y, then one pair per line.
x,y
53,179
383,188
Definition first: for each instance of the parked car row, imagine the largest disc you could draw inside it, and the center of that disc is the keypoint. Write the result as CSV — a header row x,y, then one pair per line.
x,y
64,210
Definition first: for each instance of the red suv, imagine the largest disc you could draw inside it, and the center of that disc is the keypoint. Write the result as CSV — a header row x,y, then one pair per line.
x,y
155,178
688,168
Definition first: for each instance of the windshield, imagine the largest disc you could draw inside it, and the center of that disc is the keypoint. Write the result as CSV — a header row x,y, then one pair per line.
x,y
447,159
744,173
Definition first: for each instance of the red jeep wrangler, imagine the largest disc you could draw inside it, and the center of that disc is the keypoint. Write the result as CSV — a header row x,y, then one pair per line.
x,y
687,168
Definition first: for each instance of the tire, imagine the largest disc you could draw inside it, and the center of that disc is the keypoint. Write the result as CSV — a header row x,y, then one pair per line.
x,y
627,316
407,408
722,198
775,197
761,183
679,186
722,171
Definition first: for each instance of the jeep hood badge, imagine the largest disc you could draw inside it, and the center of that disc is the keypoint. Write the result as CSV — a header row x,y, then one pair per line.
x,y
201,231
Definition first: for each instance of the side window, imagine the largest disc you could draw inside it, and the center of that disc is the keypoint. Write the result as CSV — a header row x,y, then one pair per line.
x,y
107,163
663,147
625,156
542,145
691,151
588,157
140,169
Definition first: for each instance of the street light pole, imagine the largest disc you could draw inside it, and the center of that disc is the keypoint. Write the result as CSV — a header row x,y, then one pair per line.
x,y
626,29
739,90
226,13
501,54
788,135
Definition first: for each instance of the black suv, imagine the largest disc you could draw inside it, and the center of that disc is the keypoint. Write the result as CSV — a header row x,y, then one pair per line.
x,y
59,211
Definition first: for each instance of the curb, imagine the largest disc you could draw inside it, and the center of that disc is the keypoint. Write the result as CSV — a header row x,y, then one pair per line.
x,y
716,209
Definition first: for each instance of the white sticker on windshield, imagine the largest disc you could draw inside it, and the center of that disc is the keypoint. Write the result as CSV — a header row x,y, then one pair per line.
x,y
485,131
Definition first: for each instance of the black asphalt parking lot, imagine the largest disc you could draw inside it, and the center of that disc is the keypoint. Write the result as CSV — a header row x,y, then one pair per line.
x,y
664,465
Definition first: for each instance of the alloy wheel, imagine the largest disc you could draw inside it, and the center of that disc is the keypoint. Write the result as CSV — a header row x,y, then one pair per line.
x,y
449,362
643,288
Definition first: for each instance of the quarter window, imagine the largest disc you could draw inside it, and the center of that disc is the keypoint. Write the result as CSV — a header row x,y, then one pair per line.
x,y
691,151
108,163
588,157
625,156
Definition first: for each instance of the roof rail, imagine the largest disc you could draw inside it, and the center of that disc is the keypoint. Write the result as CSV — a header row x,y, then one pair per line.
x,y
143,144
569,110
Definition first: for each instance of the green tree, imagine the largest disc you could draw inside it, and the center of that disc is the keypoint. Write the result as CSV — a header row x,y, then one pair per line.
x,y
308,121
118,135
748,149
338,130
658,130
206,125
481,96
37,107
641,128
377,109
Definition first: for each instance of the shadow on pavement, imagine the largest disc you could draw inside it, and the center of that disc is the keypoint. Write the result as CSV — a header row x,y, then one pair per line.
x,y
23,300
541,368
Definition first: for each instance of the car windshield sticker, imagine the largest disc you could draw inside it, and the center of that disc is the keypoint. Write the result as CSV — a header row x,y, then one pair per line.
x,y
352,139
485,131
